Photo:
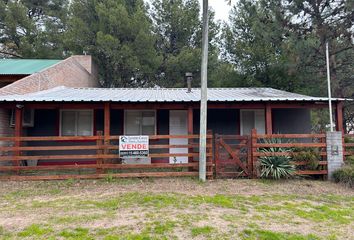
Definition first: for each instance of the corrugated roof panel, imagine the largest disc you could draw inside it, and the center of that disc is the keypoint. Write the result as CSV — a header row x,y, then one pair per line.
x,y
24,66
64,94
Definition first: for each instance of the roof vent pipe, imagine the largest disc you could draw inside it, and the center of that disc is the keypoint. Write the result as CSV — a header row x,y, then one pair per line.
x,y
189,77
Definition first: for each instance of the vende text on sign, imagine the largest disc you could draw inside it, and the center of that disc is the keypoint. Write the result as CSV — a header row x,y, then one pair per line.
x,y
133,146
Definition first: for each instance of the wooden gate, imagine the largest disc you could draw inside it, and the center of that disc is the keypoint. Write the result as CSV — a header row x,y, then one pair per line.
x,y
233,156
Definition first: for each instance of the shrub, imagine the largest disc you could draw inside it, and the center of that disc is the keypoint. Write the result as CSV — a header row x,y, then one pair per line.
x,y
349,160
310,155
345,175
349,140
276,167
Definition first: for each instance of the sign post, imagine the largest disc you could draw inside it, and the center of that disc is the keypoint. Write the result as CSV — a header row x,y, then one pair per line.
x,y
133,146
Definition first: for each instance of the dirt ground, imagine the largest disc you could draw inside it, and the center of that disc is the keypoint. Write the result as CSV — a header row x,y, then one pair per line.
x,y
176,208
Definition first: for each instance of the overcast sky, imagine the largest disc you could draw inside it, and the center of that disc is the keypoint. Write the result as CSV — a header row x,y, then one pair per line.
x,y
220,7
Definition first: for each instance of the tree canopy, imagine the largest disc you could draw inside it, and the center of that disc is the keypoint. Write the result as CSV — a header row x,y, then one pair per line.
x,y
32,29
273,43
118,34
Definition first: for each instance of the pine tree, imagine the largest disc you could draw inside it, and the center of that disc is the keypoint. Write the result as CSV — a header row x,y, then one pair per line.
x,y
32,29
118,34
178,26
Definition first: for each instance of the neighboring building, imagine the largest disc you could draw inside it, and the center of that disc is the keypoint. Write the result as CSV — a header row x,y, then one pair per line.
x,y
12,70
20,76
23,76
67,111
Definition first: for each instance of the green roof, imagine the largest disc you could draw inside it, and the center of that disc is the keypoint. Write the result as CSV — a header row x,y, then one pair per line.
x,y
24,66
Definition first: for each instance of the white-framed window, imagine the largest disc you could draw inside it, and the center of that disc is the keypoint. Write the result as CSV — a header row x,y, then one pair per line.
x,y
76,122
139,122
250,119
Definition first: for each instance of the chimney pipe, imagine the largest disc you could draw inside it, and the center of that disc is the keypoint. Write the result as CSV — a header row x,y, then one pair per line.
x,y
189,77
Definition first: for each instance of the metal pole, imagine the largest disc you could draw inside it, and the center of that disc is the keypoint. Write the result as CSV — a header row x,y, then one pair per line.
x,y
329,90
204,98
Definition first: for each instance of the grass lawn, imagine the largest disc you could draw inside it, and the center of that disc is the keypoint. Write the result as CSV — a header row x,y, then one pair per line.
x,y
176,209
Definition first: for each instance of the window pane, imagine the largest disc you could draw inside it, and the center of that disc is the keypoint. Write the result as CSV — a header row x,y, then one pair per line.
x,y
259,116
148,123
132,122
27,116
247,122
68,123
148,130
84,123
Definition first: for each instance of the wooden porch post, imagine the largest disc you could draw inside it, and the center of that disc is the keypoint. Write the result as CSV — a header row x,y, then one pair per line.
x,y
100,151
190,131
339,117
107,120
107,127
18,133
269,121
253,168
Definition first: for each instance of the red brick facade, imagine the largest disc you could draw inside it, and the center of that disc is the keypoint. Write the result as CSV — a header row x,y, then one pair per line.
x,y
75,71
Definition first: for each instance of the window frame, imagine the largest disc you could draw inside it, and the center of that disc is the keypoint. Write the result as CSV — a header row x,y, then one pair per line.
x,y
76,123
140,111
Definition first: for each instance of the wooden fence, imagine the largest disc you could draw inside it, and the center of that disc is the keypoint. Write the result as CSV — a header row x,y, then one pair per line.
x,y
98,156
233,156
300,146
95,157
348,145
239,156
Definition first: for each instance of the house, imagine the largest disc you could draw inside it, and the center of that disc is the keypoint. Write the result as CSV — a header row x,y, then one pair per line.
x,y
80,114
53,117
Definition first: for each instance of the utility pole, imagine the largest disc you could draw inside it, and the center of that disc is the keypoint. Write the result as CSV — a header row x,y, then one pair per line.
x,y
204,96
329,89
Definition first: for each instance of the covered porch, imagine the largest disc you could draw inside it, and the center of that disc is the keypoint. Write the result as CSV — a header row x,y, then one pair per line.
x,y
79,138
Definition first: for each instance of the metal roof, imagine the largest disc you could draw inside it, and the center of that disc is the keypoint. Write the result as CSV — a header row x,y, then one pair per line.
x,y
24,66
64,94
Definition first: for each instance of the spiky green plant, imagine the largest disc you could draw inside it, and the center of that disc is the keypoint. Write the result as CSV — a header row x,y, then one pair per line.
x,y
276,167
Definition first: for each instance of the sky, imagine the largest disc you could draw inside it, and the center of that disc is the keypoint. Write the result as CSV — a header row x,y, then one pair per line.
x,y
221,8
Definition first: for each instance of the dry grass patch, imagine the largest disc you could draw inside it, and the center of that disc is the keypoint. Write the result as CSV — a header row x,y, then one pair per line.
x,y
176,209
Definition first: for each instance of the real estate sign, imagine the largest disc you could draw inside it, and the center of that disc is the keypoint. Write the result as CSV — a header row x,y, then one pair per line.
x,y
133,146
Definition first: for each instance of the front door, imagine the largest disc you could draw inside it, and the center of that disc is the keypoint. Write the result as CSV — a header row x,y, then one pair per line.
x,y
178,126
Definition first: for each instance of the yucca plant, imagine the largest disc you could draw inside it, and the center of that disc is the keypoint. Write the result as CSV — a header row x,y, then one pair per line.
x,y
276,167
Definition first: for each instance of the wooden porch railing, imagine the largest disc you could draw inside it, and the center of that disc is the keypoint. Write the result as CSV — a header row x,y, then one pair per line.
x,y
98,157
299,143
94,157
348,145
239,156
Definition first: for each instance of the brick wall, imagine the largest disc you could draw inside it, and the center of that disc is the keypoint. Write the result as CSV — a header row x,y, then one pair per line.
x,y
9,79
88,64
75,71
